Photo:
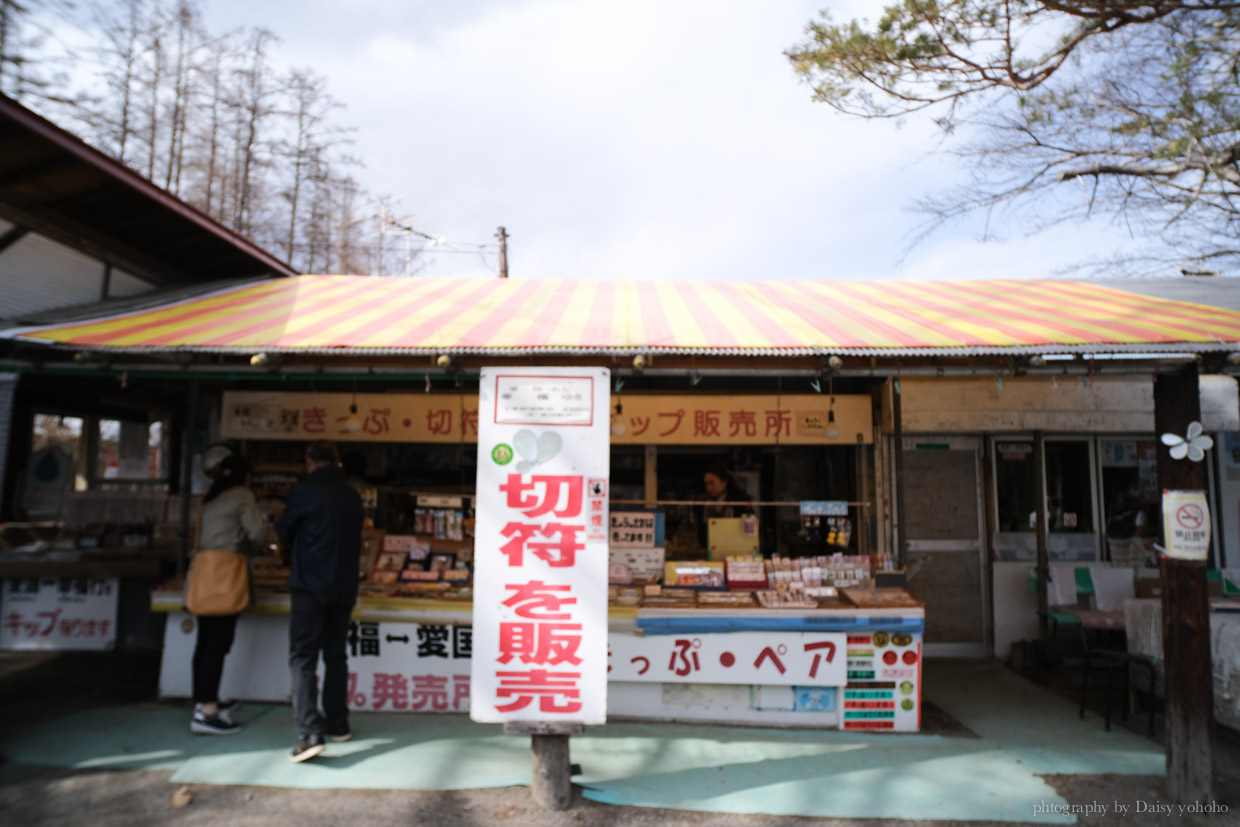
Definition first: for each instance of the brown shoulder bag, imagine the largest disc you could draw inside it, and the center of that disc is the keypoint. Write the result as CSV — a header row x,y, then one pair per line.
x,y
219,583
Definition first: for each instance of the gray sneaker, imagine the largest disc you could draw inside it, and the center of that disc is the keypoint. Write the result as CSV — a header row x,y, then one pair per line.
x,y
307,747
213,725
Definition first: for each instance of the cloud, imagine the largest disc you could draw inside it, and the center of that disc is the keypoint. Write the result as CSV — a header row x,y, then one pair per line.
x,y
638,140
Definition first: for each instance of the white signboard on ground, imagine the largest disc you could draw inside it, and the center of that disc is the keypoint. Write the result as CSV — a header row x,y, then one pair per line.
x,y
540,558
58,613
1186,521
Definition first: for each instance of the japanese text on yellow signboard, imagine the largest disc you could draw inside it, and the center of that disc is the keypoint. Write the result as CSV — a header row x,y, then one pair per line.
x,y
367,417
689,419
694,419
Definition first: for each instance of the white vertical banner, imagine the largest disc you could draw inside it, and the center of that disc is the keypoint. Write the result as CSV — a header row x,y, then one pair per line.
x,y
540,546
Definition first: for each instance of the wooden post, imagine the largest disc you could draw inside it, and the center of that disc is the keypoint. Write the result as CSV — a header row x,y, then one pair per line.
x,y
1044,578
652,476
187,472
550,784
897,413
1185,611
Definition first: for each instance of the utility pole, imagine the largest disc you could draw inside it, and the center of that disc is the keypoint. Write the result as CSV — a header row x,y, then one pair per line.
x,y
502,235
1185,610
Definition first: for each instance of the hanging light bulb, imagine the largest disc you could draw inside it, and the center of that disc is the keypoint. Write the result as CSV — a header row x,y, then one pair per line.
x,y
353,424
617,422
833,430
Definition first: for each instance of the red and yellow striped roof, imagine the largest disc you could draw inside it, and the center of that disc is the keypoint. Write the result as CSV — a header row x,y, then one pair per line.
x,y
445,315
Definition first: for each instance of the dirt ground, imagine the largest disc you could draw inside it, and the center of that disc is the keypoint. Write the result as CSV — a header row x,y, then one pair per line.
x,y
40,796
34,688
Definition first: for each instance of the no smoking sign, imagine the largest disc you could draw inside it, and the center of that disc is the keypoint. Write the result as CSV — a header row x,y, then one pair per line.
x,y
1190,517
1186,521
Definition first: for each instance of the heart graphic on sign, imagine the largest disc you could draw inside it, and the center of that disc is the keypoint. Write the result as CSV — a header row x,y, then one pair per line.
x,y
535,450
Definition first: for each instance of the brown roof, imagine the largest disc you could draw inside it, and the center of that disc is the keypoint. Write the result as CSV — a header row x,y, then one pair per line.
x,y
56,185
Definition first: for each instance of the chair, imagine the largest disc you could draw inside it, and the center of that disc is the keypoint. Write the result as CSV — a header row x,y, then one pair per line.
x,y
1226,587
1097,607
1116,660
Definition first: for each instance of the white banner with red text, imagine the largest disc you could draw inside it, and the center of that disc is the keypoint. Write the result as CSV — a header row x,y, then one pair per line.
x,y
425,667
541,545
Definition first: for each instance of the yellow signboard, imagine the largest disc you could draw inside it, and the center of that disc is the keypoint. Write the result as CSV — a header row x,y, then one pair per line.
x,y
688,419
701,419
343,417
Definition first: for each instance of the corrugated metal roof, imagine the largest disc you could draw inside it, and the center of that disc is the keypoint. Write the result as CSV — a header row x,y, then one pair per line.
x,y
324,314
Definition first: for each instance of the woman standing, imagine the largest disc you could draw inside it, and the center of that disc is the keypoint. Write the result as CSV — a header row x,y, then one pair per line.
x,y
231,521
722,487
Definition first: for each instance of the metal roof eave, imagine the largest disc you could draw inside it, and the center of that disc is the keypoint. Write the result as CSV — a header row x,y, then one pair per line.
x,y
1101,349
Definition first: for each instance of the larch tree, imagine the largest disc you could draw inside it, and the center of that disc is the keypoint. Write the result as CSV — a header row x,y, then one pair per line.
x,y
207,117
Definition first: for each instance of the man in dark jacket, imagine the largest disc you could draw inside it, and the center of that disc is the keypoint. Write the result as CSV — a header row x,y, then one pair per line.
x,y
322,527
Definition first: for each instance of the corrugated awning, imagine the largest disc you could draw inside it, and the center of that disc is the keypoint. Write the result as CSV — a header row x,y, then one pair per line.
x,y
442,315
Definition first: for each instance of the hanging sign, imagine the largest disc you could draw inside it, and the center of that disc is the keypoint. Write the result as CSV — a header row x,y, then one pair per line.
x,y
824,508
1186,521
540,582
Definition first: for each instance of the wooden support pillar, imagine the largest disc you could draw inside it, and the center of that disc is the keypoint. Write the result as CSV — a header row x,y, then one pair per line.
x,y
652,476
897,413
1185,611
1039,464
190,425
551,785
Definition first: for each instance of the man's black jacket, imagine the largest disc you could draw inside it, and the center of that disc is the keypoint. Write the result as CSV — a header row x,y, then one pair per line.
x,y
322,526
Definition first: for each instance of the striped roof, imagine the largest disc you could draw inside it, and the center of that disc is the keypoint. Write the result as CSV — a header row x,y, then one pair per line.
x,y
517,316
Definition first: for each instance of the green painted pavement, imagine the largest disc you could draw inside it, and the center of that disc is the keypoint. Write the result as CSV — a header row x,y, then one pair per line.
x,y
1024,732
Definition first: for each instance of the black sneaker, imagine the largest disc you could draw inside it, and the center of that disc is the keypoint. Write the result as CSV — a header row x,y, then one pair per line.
x,y
340,735
213,725
307,747
229,706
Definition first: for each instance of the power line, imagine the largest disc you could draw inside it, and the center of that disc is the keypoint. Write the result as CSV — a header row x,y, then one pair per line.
x,y
486,248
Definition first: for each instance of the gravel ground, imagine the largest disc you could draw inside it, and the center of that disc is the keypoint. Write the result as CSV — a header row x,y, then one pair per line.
x,y
37,797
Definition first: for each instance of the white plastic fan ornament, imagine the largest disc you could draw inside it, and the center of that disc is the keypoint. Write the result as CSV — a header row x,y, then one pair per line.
x,y
1193,446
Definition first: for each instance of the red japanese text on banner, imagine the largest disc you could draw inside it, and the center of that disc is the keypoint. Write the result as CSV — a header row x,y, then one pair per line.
x,y
540,564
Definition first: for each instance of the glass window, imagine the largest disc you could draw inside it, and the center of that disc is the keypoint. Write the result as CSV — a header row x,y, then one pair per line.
x,y
628,472
1130,497
63,432
1015,479
765,474
1069,487
131,450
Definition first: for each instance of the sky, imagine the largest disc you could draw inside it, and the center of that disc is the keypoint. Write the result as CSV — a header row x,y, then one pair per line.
x,y
650,139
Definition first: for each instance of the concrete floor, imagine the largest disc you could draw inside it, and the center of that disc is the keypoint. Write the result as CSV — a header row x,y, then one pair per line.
x,y
994,757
